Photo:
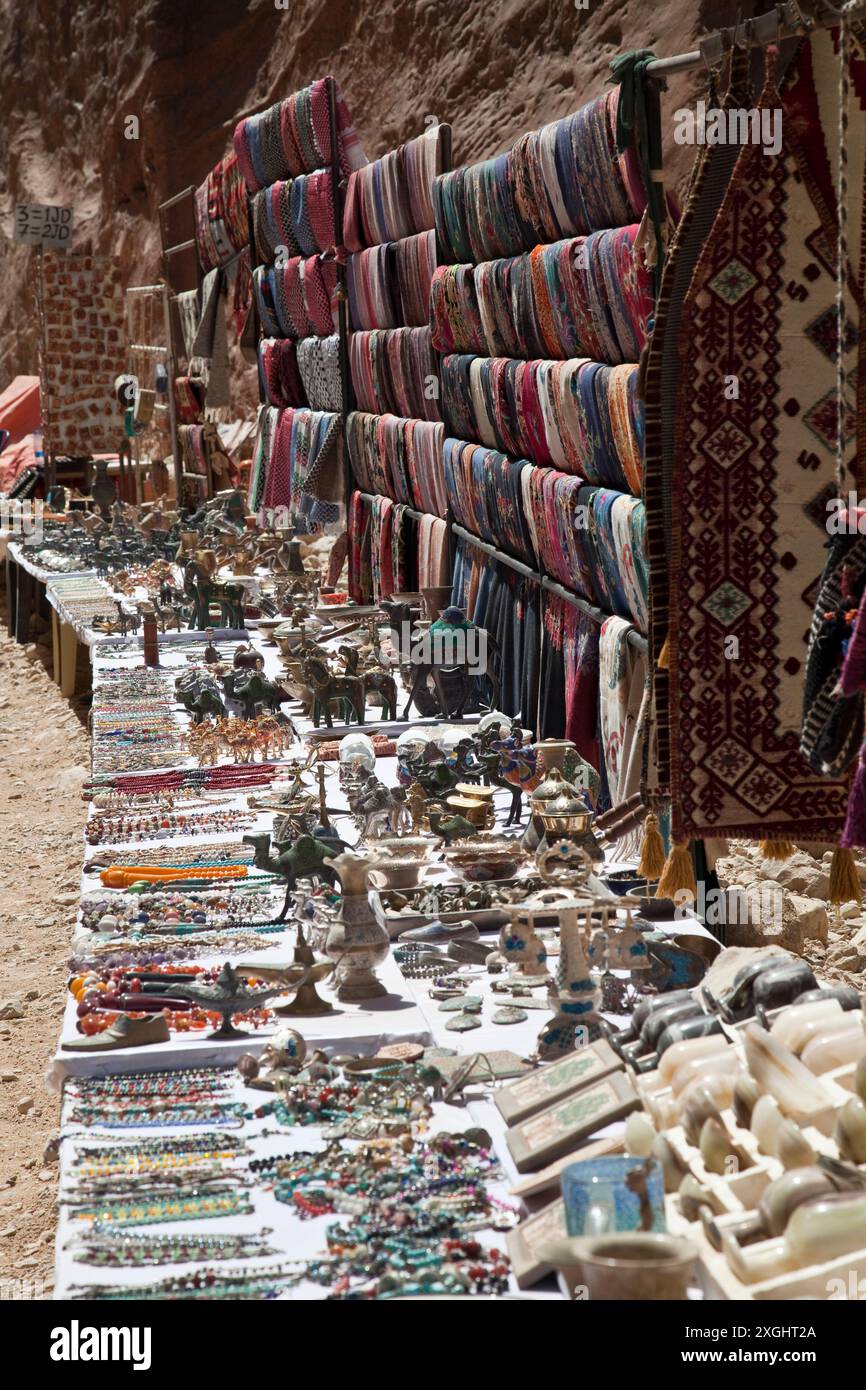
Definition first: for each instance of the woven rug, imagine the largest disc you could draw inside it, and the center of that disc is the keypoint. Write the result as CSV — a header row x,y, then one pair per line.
x,y
710,178
751,477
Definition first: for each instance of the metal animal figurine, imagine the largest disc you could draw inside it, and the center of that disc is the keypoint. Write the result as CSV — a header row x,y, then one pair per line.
x,y
376,680
450,828
326,686
199,695
306,857
378,809
251,689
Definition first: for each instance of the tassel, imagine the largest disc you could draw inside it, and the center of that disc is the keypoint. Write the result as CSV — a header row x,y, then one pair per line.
x,y
777,849
664,660
652,853
679,874
844,879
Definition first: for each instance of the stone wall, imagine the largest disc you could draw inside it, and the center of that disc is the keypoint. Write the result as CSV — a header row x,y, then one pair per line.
x,y
84,351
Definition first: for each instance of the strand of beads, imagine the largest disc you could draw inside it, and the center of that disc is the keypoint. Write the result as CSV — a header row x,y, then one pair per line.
x,y
114,1247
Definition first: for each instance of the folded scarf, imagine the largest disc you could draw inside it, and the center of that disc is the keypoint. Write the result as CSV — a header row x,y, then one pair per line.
x,y
580,416
389,285
295,214
485,493
400,458
296,300
298,465
211,341
394,372
294,137
563,180
220,209
280,381
319,367
587,297
393,197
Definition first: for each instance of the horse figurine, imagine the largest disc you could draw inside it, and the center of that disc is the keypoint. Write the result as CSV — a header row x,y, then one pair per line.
x,y
375,678
327,686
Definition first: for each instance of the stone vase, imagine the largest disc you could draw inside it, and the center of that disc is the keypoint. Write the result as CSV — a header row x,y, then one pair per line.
x,y
574,997
358,939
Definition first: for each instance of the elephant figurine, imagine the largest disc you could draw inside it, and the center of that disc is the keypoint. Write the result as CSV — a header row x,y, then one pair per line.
x,y
198,587
252,688
199,696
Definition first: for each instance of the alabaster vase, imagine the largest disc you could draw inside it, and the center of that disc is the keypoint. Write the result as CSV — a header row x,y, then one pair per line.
x,y
358,939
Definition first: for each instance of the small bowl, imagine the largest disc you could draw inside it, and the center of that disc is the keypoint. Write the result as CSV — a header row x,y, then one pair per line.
x,y
627,1266
486,858
625,881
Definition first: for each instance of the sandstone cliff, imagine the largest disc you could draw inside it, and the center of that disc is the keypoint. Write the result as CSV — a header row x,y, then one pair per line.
x,y
73,73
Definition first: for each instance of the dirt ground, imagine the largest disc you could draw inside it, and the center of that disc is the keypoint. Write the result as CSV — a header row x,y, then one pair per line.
x,y
44,758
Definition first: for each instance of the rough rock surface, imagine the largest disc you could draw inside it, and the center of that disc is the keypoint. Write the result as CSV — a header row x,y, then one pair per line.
x,y
73,73
786,904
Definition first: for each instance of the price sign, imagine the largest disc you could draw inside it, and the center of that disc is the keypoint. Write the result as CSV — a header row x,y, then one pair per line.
x,y
41,224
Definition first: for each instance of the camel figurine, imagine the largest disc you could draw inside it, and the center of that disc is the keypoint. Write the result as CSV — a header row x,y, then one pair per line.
x,y
306,857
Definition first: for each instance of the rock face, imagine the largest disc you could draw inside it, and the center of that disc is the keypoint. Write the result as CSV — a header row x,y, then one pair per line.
x,y
73,75
785,904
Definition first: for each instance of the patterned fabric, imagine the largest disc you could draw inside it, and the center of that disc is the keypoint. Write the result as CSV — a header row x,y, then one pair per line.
x,y
399,458
710,177
590,539
394,372
280,382
189,311
297,214
573,637
319,368
560,181
391,552
485,494
587,297
392,198
579,416
623,702
296,300
507,606
220,207
294,137
752,472
192,448
297,464
389,285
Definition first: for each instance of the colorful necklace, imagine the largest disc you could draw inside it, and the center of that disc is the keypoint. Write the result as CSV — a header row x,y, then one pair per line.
x,y
115,1247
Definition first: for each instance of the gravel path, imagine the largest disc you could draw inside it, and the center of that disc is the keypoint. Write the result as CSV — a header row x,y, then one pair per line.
x,y
44,758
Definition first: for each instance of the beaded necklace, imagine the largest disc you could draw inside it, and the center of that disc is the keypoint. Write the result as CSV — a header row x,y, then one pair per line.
x,y
186,1206
115,1247
206,1283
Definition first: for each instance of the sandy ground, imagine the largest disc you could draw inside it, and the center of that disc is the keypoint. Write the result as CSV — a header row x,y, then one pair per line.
x,y
44,757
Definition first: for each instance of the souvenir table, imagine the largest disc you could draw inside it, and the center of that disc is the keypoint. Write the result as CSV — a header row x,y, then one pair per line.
x,y
25,589
290,1238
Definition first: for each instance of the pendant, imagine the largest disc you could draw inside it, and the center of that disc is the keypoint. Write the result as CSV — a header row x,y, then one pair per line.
x,y
463,1023
510,1014
470,1002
